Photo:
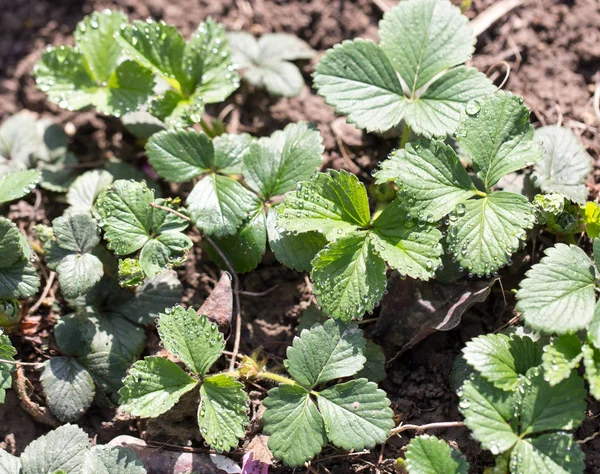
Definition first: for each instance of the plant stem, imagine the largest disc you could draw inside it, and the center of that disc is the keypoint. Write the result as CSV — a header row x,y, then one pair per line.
x,y
480,193
172,211
430,426
265,375
207,129
19,363
405,135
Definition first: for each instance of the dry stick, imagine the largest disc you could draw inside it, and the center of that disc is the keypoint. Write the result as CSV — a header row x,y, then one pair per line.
x,y
597,101
39,302
430,426
236,284
491,15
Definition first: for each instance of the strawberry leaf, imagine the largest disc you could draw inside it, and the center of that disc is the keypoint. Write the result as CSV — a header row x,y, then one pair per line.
x,y
546,454
18,276
427,454
560,357
18,184
112,460
85,188
7,352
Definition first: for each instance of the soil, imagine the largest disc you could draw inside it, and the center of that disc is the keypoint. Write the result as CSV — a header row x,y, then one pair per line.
x,y
552,48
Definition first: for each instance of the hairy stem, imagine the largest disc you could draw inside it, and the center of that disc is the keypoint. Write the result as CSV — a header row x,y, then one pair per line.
x,y
431,426
405,135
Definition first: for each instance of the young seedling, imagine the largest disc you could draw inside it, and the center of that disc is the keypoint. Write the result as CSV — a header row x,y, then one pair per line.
x,y
154,385
18,277
267,62
484,226
131,224
93,72
349,274
415,74
428,454
197,72
233,213
513,411
67,449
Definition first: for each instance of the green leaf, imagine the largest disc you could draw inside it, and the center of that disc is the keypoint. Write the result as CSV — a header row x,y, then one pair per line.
x,y
112,460
191,338
181,155
294,251
357,414
94,36
349,277
326,352
438,110
153,386
374,369
142,124
546,408
114,334
63,449
490,414
431,178
18,140
357,78
294,425
555,453
222,414
408,246
70,254
68,387
130,273
7,352
565,165
18,277
18,184
501,359
10,243
219,205
498,137
108,370
84,190
557,294
427,454
333,204
9,464
590,213
230,150
591,361
560,357
485,232
275,164
245,248
163,252
422,38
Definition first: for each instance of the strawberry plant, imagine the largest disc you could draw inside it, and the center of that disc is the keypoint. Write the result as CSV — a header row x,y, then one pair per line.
x,y
7,353
428,454
416,74
267,62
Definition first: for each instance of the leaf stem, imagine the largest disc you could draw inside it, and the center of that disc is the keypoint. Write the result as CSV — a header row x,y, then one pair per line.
x,y
480,193
265,375
172,211
405,135
207,129
431,426
19,363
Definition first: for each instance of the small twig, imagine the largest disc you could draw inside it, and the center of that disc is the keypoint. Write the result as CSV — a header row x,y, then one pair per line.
x,y
589,438
506,75
39,302
172,211
366,321
19,363
597,101
261,293
430,426
39,413
337,456
492,14
239,356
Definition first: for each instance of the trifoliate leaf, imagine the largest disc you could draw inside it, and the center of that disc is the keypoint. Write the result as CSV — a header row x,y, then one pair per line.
x,y
219,205
501,359
222,414
90,74
591,361
68,387
408,246
565,165
554,453
18,277
490,414
498,137
275,164
18,184
78,270
245,248
191,337
357,78
9,464
357,414
427,454
84,190
557,294
294,251
60,450
265,63
560,357
546,408
181,155
333,204
294,425
431,177
7,352
374,369
153,386
326,352
590,214
349,276
424,38
112,460
130,223
485,232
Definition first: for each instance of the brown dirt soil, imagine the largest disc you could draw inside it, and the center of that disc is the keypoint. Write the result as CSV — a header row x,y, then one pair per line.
x,y
553,50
